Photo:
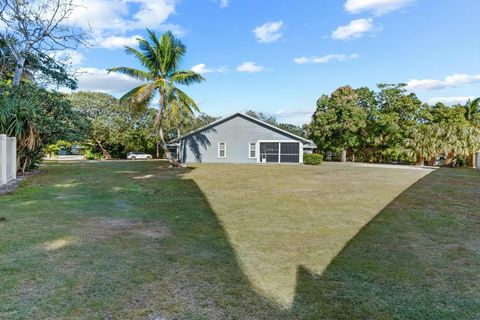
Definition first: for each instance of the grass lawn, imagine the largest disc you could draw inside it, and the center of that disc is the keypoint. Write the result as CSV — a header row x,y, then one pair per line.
x,y
135,240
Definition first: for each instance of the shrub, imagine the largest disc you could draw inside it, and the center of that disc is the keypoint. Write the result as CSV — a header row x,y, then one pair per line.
x,y
312,158
92,155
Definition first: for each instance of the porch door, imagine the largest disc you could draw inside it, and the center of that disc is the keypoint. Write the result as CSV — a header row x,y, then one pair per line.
x,y
279,152
269,152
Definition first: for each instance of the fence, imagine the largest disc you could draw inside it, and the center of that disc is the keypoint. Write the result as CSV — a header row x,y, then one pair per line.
x,y
8,159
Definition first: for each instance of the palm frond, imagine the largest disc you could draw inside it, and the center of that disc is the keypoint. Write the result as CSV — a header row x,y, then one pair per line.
x,y
140,97
151,55
187,103
172,52
186,77
145,60
134,73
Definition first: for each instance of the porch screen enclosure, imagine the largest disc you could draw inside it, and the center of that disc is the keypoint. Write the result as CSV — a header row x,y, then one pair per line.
x,y
280,152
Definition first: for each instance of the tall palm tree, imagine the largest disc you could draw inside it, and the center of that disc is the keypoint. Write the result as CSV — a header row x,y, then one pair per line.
x,y
161,57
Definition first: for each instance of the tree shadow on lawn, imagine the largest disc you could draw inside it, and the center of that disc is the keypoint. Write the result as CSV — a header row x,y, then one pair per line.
x,y
418,258
75,246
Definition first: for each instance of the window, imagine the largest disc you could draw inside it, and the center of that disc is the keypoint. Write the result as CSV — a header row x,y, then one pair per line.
x,y
222,149
252,152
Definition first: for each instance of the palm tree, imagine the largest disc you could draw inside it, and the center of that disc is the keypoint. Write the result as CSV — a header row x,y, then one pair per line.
x,y
472,108
161,58
18,118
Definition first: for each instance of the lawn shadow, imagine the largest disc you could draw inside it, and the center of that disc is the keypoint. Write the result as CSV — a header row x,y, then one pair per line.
x,y
114,264
408,262
416,259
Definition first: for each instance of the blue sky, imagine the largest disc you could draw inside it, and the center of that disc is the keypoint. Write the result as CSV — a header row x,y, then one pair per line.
x,y
279,56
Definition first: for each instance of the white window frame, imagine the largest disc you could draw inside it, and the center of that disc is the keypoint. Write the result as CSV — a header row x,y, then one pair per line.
x,y
250,150
224,150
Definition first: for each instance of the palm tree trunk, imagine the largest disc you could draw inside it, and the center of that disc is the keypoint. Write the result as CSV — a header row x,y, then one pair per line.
x,y
344,155
173,162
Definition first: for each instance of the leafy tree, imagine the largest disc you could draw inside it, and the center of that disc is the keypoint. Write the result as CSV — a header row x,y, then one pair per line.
x,y
35,28
262,116
111,127
297,130
472,111
337,122
161,58
367,101
273,121
36,117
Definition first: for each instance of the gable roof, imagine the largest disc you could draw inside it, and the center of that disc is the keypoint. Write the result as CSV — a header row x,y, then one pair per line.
x,y
255,120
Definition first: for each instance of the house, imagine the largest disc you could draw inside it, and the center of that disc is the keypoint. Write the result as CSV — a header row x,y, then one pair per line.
x,y
476,160
240,138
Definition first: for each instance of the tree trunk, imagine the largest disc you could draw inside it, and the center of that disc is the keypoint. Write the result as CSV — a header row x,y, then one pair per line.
x,y
353,157
105,153
449,159
421,160
158,149
17,75
432,160
344,156
173,162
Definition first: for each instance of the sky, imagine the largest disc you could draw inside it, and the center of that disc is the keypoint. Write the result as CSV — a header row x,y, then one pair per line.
x,y
280,56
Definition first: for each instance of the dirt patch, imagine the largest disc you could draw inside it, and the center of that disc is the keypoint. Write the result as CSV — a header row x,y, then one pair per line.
x,y
96,229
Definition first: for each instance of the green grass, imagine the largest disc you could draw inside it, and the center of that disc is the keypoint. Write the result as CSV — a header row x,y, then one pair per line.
x,y
135,240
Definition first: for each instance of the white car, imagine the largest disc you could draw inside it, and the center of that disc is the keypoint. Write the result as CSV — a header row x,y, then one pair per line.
x,y
139,156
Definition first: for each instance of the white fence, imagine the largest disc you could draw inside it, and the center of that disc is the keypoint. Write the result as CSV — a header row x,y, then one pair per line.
x,y
8,159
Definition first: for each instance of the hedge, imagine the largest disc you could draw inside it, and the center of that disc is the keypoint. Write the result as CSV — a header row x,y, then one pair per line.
x,y
312,158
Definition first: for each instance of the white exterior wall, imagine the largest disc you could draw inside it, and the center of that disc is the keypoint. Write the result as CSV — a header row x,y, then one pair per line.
x,y
8,159
477,160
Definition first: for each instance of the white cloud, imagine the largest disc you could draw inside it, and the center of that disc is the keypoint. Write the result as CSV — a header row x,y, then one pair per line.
x,y
451,81
224,3
113,42
355,29
202,69
250,67
110,19
327,58
450,100
101,15
99,80
295,116
269,32
377,7
68,56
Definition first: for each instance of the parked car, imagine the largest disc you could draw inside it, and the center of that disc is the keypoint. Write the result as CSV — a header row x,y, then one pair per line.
x,y
138,155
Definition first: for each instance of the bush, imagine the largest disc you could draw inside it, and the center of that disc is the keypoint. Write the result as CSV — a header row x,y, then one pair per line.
x,y
92,155
312,158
